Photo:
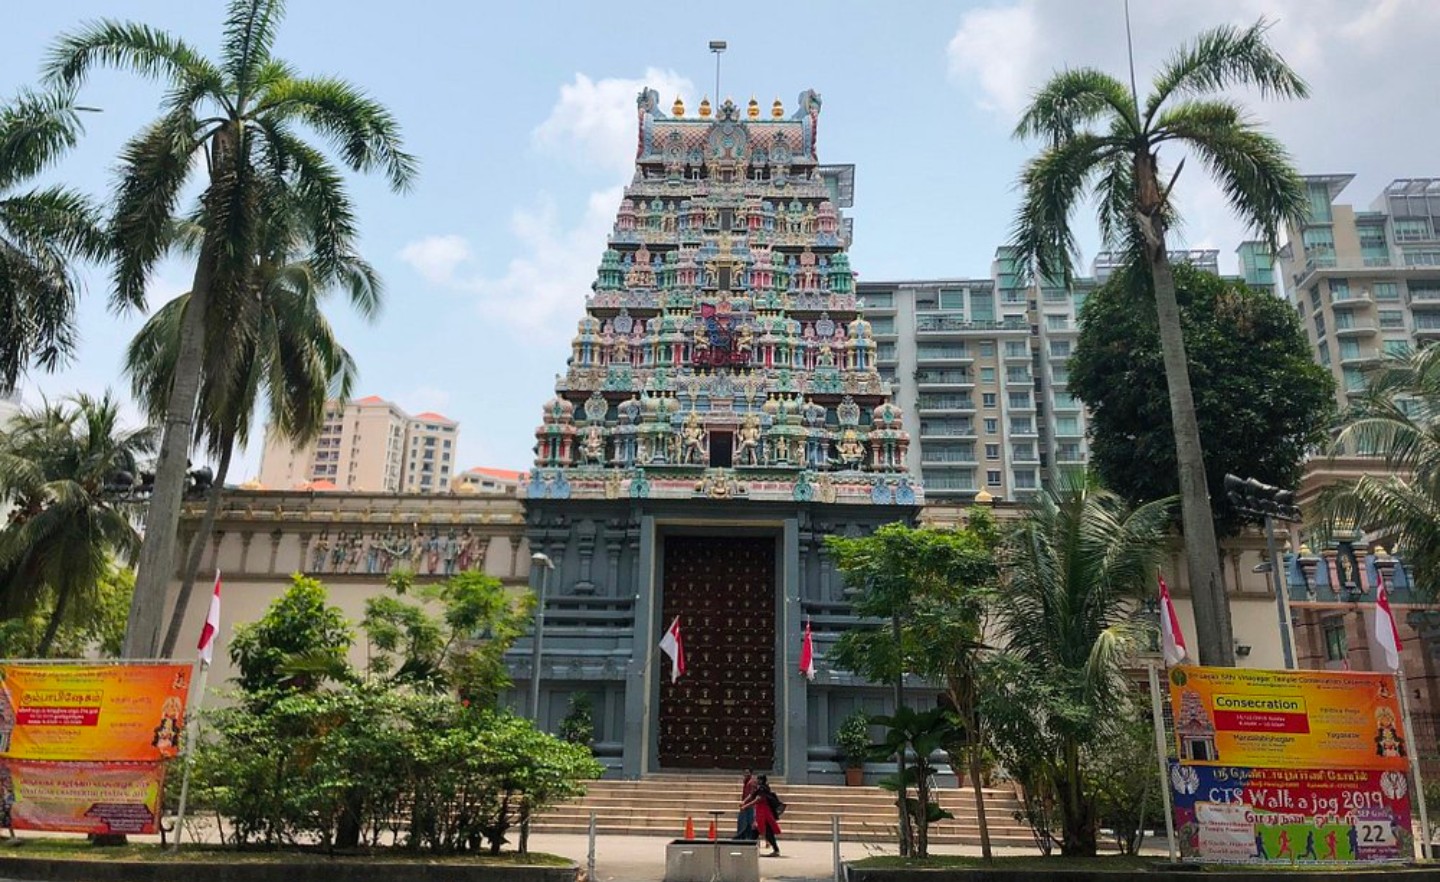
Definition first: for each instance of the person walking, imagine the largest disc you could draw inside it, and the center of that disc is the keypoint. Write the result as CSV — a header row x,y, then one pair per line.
x,y
768,808
745,820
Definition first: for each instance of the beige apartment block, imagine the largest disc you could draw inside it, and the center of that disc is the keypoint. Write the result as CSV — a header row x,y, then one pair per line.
x,y
367,445
1365,282
429,455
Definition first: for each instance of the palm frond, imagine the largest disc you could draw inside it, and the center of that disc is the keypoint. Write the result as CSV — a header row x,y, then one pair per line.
x,y
1052,184
135,47
1072,100
1254,169
247,38
362,130
35,129
1221,58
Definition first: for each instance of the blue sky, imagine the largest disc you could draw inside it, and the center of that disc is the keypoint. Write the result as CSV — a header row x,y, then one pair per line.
x,y
523,118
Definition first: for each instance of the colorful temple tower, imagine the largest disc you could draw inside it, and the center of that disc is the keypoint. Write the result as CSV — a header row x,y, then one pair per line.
x,y
720,413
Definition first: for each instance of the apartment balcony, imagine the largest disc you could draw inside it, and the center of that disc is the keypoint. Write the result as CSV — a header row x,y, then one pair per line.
x,y
948,461
940,325
1427,331
942,408
1017,356
1356,328
943,358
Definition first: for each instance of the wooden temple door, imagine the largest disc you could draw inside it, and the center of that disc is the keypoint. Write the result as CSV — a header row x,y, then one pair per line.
x,y
721,713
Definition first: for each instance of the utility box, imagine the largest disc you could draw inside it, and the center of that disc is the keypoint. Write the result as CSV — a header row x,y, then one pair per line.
x,y
705,860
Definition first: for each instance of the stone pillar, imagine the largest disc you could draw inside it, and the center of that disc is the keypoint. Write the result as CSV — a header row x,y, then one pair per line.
x,y
215,539
245,539
642,687
516,568
794,741
275,536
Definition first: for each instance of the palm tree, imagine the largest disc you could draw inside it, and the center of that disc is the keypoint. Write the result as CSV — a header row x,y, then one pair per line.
x,y
239,119
58,465
1074,569
1397,420
1099,141
41,232
280,348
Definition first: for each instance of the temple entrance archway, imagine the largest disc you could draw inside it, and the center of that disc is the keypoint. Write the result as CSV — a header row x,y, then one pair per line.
x,y
721,713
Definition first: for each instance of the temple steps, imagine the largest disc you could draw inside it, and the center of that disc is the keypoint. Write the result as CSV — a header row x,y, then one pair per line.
x,y
659,805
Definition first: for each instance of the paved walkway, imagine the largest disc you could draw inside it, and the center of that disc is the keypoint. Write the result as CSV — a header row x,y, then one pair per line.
x,y
642,858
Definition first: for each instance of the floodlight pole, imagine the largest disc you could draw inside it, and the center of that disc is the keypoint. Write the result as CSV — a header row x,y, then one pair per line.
x,y
1255,498
718,47
546,565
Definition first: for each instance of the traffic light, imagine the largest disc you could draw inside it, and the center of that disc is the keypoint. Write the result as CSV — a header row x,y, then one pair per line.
x,y
198,481
1255,497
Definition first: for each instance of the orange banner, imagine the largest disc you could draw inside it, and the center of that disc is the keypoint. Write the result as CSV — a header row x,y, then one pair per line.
x,y
1287,719
79,797
125,712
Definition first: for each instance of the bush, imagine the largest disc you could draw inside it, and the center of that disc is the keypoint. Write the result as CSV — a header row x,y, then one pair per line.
x,y
852,739
578,727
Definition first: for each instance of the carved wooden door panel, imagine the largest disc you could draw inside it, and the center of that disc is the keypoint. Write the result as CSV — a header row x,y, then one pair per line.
x,y
721,714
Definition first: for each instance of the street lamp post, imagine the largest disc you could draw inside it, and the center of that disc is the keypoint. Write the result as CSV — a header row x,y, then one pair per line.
x,y
1252,497
717,46
543,561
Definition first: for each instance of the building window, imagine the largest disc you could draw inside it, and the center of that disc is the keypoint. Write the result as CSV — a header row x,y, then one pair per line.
x,y
987,375
992,451
987,399
1025,479
982,306
1339,289
987,349
1412,229
1022,426
1060,374
1017,349
1059,348
1017,375
1349,349
1056,322
1387,292
952,300
992,425
992,478
885,352
1397,348
1354,379
879,299
1019,400
883,324
1023,452
1337,647
1392,319
1067,425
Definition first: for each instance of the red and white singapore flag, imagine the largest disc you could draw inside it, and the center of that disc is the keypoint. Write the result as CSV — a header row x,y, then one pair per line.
x,y
807,654
1174,638
672,646
212,625
1385,637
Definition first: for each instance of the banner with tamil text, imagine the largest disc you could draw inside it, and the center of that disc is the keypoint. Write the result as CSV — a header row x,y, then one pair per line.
x,y
1291,816
114,713
82,797
1287,719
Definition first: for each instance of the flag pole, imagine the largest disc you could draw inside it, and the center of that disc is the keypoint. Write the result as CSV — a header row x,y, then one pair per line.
x,y
1161,757
1414,763
197,700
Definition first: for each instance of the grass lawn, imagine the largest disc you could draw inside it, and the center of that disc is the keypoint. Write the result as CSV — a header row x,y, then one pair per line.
x,y
80,849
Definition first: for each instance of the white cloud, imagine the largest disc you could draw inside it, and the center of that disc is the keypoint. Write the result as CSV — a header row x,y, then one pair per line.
x,y
997,45
593,123
541,291
435,258
1369,64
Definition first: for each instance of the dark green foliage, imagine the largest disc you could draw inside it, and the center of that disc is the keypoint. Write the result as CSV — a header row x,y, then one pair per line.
x,y
410,750
578,727
920,734
1261,400
852,739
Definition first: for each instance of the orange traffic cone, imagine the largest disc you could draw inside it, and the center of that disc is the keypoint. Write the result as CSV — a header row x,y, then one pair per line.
x,y
712,830
689,827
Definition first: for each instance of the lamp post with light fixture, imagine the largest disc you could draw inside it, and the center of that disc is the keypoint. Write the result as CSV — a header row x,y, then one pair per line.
x,y
543,561
1252,497
717,46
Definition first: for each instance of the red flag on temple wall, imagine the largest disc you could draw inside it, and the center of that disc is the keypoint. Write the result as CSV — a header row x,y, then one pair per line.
x,y
807,654
672,646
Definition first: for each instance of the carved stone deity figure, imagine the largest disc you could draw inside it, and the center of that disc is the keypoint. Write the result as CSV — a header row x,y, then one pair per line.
x,y
417,549
449,551
782,449
692,443
322,548
593,446
747,448
432,552
852,452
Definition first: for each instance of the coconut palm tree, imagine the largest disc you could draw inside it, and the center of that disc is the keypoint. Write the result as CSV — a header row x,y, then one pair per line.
x,y
1397,420
280,350
42,231
58,466
1073,572
237,121
1100,140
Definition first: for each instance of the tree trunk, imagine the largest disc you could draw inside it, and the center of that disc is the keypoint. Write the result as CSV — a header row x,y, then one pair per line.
x,y
901,802
1079,827
922,813
197,550
979,795
62,600
162,520
1207,589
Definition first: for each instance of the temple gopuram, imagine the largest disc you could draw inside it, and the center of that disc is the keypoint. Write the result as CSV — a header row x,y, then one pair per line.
x,y
719,415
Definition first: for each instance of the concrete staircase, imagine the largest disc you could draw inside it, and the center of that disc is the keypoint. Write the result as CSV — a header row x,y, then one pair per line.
x,y
658,806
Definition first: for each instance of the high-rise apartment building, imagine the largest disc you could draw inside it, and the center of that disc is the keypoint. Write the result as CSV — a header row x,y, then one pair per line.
x,y
981,368
369,445
1365,283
